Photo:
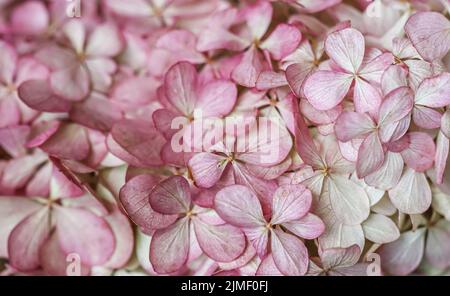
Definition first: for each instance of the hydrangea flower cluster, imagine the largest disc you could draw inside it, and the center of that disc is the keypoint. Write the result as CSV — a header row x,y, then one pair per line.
x,y
220,137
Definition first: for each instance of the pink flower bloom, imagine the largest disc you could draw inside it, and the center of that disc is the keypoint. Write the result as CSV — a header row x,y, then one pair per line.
x,y
327,88
240,207
87,61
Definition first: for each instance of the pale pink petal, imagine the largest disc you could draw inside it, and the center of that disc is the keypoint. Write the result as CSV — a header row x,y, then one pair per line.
x,y
434,92
169,247
180,84
366,97
207,168
326,89
13,139
105,40
348,200
296,75
346,48
71,83
375,69
239,206
8,62
131,8
427,118
412,195
241,261
38,95
394,77
317,116
428,31
404,255
438,244
124,236
396,105
308,227
351,125
420,152
222,243
440,159
217,98
30,18
82,232
259,17
370,155
34,230
270,79
283,41
270,173
41,132
29,69
289,253
388,175
134,197
61,186
219,38
172,196
12,211
268,267
100,72
340,257
380,229
75,32
290,202
445,124
248,70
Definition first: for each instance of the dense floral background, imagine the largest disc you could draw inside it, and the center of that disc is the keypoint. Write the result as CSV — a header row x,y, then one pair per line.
x,y
92,183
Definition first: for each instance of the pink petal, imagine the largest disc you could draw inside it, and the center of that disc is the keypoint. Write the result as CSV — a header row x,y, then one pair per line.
x,y
30,18
217,98
12,211
283,41
326,89
308,227
375,69
71,83
134,197
290,202
54,260
351,125
38,95
289,253
82,232
388,175
219,38
222,243
13,139
405,254
75,31
396,105
29,69
268,267
319,117
105,41
428,31
8,60
259,17
434,92
427,118
69,142
173,242
180,83
131,8
239,206
445,124
340,257
412,195
96,112
207,168
61,186
440,159
420,153
296,75
370,155
269,79
172,196
394,77
241,261
248,70
135,136
346,48
437,245
34,230
124,236
367,98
